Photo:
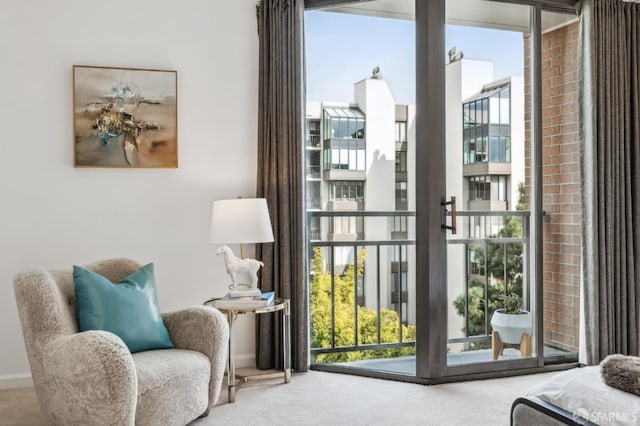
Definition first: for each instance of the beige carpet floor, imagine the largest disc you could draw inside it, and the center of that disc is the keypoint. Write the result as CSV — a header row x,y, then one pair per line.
x,y
318,398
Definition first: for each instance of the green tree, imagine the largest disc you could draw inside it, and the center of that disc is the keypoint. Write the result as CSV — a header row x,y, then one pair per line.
x,y
345,307
504,278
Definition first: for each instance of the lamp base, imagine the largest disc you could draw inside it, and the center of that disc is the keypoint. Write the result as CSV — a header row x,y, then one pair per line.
x,y
254,292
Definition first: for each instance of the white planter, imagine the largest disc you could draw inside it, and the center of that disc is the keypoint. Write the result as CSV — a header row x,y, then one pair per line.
x,y
511,326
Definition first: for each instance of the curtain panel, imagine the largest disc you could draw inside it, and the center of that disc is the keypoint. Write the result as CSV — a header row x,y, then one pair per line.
x,y
610,156
280,177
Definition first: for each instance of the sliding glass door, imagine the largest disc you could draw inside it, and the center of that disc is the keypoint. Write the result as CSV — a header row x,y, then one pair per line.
x,y
361,186
423,117
489,261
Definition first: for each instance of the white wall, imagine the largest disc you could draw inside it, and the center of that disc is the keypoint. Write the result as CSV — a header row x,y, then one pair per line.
x,y
375,99
517,139
412,193
53,215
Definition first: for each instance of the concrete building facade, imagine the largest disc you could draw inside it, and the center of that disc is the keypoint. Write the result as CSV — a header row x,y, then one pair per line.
x,y
361,157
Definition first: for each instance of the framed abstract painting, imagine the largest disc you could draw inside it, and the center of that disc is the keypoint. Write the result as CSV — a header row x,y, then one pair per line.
x,y
125,117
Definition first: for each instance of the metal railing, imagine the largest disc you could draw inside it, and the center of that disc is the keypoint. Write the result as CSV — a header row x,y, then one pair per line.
x,y
313,141
335,271
313,172
482,230
488,232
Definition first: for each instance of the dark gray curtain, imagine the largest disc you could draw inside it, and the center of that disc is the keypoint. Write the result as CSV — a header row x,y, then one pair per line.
x,y
280,177
610,132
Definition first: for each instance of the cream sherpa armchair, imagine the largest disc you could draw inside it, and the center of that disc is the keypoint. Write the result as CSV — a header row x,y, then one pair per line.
x,y
91,377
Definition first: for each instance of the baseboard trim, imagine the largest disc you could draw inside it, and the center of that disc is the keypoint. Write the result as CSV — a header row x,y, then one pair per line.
x,y
15,381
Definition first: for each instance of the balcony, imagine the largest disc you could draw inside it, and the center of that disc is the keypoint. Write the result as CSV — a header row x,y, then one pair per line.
x,y
363,304
344,174
313,141
493,205
314,202
313,172
486,168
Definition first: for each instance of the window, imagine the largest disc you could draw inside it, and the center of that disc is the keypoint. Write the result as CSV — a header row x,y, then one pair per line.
x,y
343,225
360,158
347,190
344,131
486,127
495,110
313,195
500,106
399,280
476,264
313,133
399,224
500,149
401,131
466,116
505,111
344,155
395,277
401,161
313,164
399,228
488,188
401,195
343,123
314,228
346,225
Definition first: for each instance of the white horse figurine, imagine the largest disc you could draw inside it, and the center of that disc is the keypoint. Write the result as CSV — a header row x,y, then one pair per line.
x,y
235,264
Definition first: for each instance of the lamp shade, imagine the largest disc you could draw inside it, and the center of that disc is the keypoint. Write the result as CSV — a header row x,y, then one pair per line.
x,y
240,221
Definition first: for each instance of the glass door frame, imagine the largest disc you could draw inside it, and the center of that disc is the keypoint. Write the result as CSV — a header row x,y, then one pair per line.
x,y
431,244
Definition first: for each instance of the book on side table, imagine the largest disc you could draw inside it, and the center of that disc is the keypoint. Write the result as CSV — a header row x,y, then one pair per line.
x,y
228,302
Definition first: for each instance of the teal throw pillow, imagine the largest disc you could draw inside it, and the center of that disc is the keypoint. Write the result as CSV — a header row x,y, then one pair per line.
x,y
129,309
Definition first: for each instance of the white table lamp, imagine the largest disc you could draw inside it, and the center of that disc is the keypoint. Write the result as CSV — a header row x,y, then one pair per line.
x,y
241,221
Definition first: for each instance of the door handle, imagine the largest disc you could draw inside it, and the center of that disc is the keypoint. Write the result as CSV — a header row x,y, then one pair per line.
x,y
452,203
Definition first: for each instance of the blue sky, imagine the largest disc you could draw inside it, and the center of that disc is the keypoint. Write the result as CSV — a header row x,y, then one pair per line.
x,y
342,49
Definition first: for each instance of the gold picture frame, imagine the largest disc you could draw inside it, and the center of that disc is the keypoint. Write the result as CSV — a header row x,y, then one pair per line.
x,y
125,117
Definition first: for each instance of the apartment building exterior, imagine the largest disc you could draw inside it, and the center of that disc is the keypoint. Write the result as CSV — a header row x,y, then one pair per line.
x,y
360,158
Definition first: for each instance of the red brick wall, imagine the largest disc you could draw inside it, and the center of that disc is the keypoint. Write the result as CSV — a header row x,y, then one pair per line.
x,y
561,184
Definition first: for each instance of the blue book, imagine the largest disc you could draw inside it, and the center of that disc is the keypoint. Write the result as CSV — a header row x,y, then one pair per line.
x,y
269,297
248,302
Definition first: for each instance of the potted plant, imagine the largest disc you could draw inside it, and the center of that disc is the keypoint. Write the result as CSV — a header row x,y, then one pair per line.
x,y
511,322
